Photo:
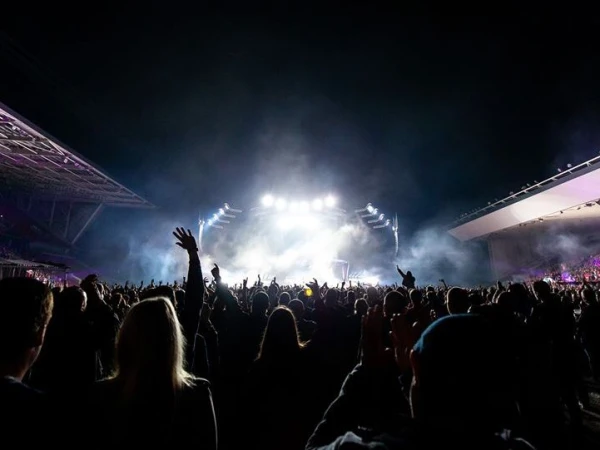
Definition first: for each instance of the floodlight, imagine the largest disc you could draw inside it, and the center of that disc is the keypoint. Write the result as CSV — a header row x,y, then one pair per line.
x,y
268,201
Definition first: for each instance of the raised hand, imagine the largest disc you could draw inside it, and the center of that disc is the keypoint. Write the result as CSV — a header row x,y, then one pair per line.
x,y
216,272
314,286
186,240
403,338
245,283
374,354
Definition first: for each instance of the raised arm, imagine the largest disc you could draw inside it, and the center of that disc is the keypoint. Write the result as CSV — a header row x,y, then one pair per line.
x,y
194,293
402,274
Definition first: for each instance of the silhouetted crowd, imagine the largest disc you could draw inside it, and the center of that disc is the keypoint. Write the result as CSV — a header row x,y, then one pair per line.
x,y
268,366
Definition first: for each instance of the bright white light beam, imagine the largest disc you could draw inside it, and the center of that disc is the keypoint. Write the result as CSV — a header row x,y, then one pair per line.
x,y
268,201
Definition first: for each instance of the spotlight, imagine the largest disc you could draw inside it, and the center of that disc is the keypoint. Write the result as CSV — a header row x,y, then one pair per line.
x,y
294,207
370,208
215,217
329,201
221,211
280,204
268,201
317,204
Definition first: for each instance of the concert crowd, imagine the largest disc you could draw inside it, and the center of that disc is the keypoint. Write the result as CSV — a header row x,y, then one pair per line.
x,y
587,269
268,366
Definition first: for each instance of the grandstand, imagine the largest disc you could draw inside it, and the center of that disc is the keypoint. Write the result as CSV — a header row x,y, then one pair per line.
x,y
50,195
543,220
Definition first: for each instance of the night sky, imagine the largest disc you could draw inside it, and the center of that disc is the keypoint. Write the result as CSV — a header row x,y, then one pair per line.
x,y
423,116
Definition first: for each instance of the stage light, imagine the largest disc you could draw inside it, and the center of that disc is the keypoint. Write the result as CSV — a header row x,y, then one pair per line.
x,y
215,217
280,204
221,211
370,208
371,280
268,201
294,207
317,204
329,201
304,207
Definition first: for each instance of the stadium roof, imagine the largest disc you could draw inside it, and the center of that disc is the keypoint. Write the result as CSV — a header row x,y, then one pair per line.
x,y
34,162
571,194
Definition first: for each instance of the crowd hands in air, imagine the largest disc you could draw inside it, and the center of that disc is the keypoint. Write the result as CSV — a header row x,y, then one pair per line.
x,y
291,367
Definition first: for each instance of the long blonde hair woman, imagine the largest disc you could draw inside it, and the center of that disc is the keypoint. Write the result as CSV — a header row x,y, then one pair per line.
x,y
150,349
151,399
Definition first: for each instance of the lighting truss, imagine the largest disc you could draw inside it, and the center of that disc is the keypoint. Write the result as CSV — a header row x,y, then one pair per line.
x,y
55,187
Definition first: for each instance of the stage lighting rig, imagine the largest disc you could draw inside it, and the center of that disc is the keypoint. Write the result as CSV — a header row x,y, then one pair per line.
x,y
324,206
373,218
222,217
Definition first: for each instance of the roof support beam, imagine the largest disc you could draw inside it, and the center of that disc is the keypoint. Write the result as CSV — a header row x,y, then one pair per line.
x,y
88,222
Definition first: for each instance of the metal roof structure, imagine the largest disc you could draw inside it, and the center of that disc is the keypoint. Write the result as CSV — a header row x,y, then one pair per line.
x,y
571,194
57,188
34,161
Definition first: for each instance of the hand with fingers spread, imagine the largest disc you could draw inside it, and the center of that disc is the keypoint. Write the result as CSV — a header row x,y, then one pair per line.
x,y
314,285
403,339
374,354
186,239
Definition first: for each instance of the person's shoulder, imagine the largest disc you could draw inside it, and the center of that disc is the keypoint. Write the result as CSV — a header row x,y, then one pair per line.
x,y
198,387
11,388
352,441
18,402
194,395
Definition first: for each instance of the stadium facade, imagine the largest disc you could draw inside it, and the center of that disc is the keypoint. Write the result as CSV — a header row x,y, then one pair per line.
x,y
538,223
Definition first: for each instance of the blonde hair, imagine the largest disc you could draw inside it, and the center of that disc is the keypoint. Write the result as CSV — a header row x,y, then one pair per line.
x,y
150,350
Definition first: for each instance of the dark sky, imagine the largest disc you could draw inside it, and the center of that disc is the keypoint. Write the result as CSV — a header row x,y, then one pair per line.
x,y
427,117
